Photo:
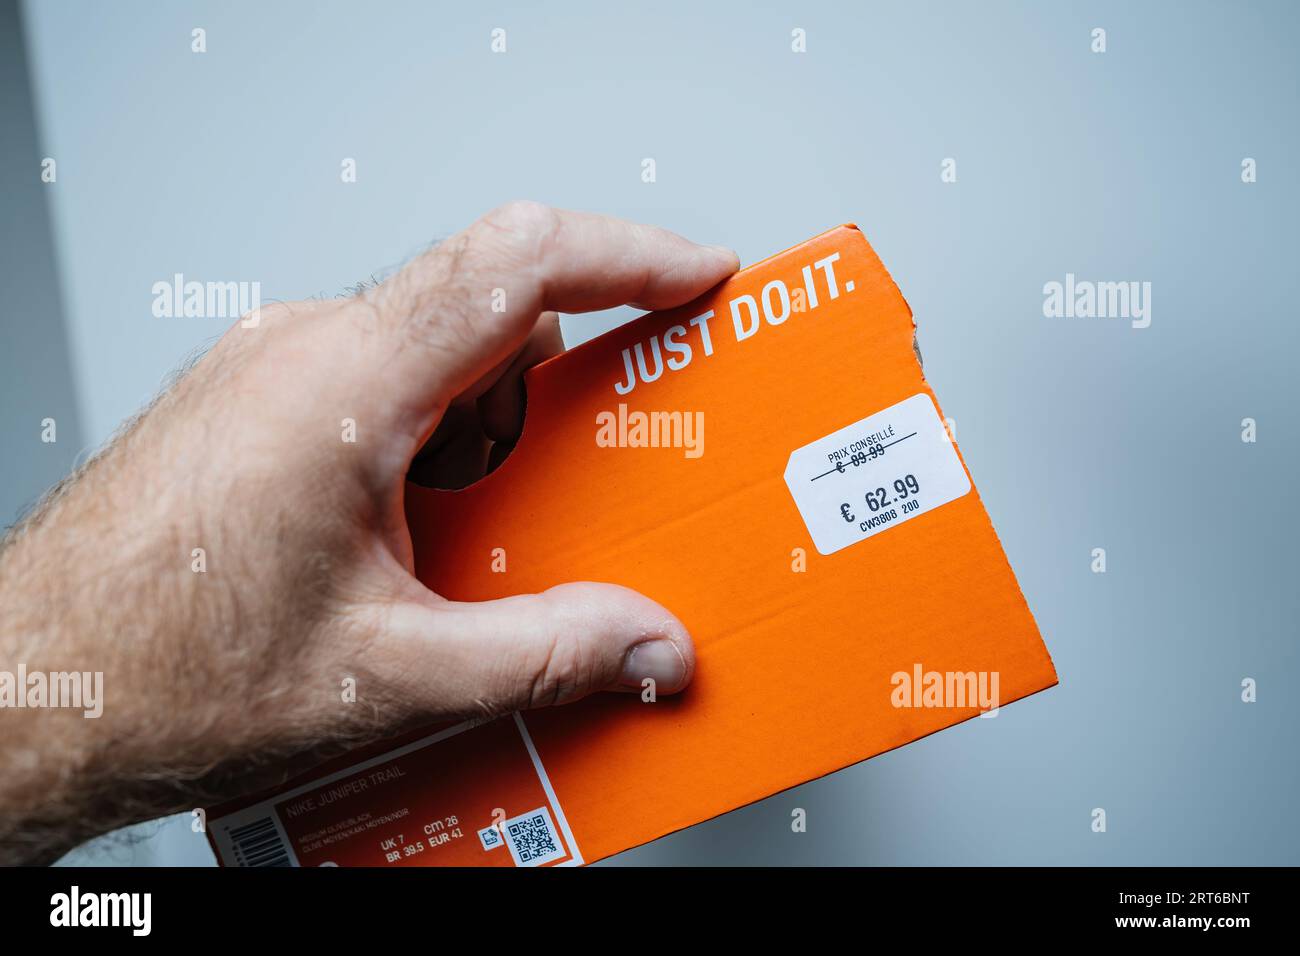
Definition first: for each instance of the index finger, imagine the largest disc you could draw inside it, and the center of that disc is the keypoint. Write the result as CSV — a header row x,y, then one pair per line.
x,y
469,304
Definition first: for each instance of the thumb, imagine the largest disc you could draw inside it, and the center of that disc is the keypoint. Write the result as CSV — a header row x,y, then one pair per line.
x,y
535,650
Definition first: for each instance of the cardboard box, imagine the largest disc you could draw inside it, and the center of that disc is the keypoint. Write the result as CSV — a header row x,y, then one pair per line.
x,y
770,464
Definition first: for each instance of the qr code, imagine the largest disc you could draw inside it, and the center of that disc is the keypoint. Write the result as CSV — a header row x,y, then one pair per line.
x,y
532,839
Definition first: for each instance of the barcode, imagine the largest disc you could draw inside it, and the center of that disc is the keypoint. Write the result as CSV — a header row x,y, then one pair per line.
x,y
532,838
259,844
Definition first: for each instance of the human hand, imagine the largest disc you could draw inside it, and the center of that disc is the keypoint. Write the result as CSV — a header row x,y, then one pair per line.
x,y
214,677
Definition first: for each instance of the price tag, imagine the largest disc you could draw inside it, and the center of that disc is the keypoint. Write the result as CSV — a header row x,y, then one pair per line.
x,y
875,474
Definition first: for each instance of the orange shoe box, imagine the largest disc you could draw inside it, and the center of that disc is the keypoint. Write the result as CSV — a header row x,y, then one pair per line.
x,y
770,464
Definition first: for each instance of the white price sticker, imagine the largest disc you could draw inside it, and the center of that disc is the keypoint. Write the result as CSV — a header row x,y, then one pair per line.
x,y
875,474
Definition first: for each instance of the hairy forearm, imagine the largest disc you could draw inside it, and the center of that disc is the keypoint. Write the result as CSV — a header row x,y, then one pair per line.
x,y
103,580
83,590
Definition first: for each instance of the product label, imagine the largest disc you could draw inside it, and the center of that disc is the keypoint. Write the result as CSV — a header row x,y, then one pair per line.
x,y
875,474
450,799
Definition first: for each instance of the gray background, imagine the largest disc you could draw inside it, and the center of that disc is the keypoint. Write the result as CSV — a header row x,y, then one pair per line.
x,y
1079,433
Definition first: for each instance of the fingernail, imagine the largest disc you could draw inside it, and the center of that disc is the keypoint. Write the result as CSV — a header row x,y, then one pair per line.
x,y
660,660
725,251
